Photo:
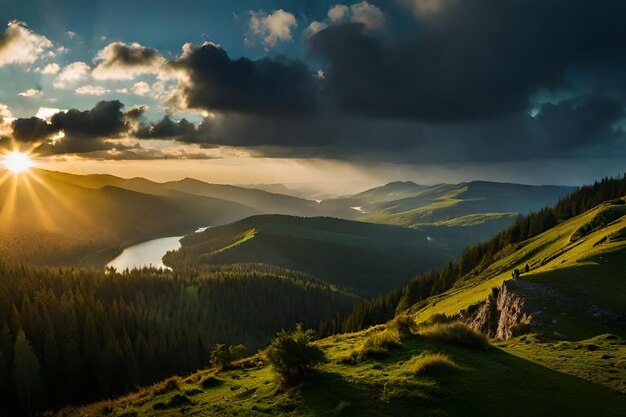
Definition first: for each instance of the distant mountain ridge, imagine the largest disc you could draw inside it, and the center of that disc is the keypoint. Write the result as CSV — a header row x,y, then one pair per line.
x,y
101,213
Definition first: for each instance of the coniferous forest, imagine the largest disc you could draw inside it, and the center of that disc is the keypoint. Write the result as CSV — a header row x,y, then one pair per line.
x,y
78,335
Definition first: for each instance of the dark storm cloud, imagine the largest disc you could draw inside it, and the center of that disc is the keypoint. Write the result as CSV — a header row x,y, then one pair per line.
x,y
135,112
563,130
453,82
166,128
31,129
470,59
85,131
275,85
106,118
76,145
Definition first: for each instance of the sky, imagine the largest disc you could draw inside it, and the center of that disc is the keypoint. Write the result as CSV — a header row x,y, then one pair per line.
x,y
343,94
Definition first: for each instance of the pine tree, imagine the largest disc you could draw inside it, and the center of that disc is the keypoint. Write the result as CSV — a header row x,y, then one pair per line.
x,y
26,371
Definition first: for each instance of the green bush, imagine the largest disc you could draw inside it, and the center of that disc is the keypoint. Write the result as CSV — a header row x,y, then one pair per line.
x,y
403,324
379,343
429,364
456,334
292,355
223,355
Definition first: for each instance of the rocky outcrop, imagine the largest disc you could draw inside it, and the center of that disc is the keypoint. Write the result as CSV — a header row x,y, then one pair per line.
x,y
503,314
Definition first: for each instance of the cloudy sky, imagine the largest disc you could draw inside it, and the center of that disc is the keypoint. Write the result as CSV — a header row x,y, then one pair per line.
x,y
295,91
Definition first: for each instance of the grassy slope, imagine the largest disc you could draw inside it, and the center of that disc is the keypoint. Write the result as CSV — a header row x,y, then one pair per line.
x,y
580,286
488,382
583,266
366,258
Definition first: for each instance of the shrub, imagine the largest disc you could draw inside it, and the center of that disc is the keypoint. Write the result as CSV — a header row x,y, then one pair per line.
x,y
403,324
379,343
430,364
456,334
292,355
223,355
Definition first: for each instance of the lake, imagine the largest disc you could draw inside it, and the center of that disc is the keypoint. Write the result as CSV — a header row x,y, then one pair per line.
x,y
148,253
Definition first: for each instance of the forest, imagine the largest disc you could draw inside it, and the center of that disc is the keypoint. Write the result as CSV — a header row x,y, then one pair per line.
x,y
78,335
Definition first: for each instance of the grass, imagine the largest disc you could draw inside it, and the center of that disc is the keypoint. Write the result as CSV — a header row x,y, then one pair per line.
x,y
429,364
457,334
379,343
421,377
601,359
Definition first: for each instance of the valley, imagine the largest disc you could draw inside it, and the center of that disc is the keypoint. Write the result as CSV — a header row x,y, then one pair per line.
x,y
559,327
239,282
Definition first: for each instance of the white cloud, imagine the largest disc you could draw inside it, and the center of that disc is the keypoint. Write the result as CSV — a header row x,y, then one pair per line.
x,y
91,90
5,113
120,61
338,13
141,88
367,14
6,118
31,92
70,34
20,45
71,74
315,27
272,27
46,113
53,68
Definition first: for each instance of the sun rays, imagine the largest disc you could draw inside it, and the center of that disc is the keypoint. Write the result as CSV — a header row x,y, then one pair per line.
x,y
23,189
17,162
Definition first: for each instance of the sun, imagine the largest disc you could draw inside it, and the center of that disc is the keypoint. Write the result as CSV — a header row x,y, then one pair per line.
x,y
17,162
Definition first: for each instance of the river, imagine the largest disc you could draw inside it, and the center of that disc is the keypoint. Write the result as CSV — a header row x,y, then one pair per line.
x,y
148,253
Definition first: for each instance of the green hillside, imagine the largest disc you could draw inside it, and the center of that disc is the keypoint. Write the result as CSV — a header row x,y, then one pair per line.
x,y
584,257
563,353
422,374
365,258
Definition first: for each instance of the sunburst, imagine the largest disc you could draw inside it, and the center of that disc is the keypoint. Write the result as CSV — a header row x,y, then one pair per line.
x,y
17,162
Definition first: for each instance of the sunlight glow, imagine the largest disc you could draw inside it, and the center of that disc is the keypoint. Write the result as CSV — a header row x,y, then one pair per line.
x,y
17,162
